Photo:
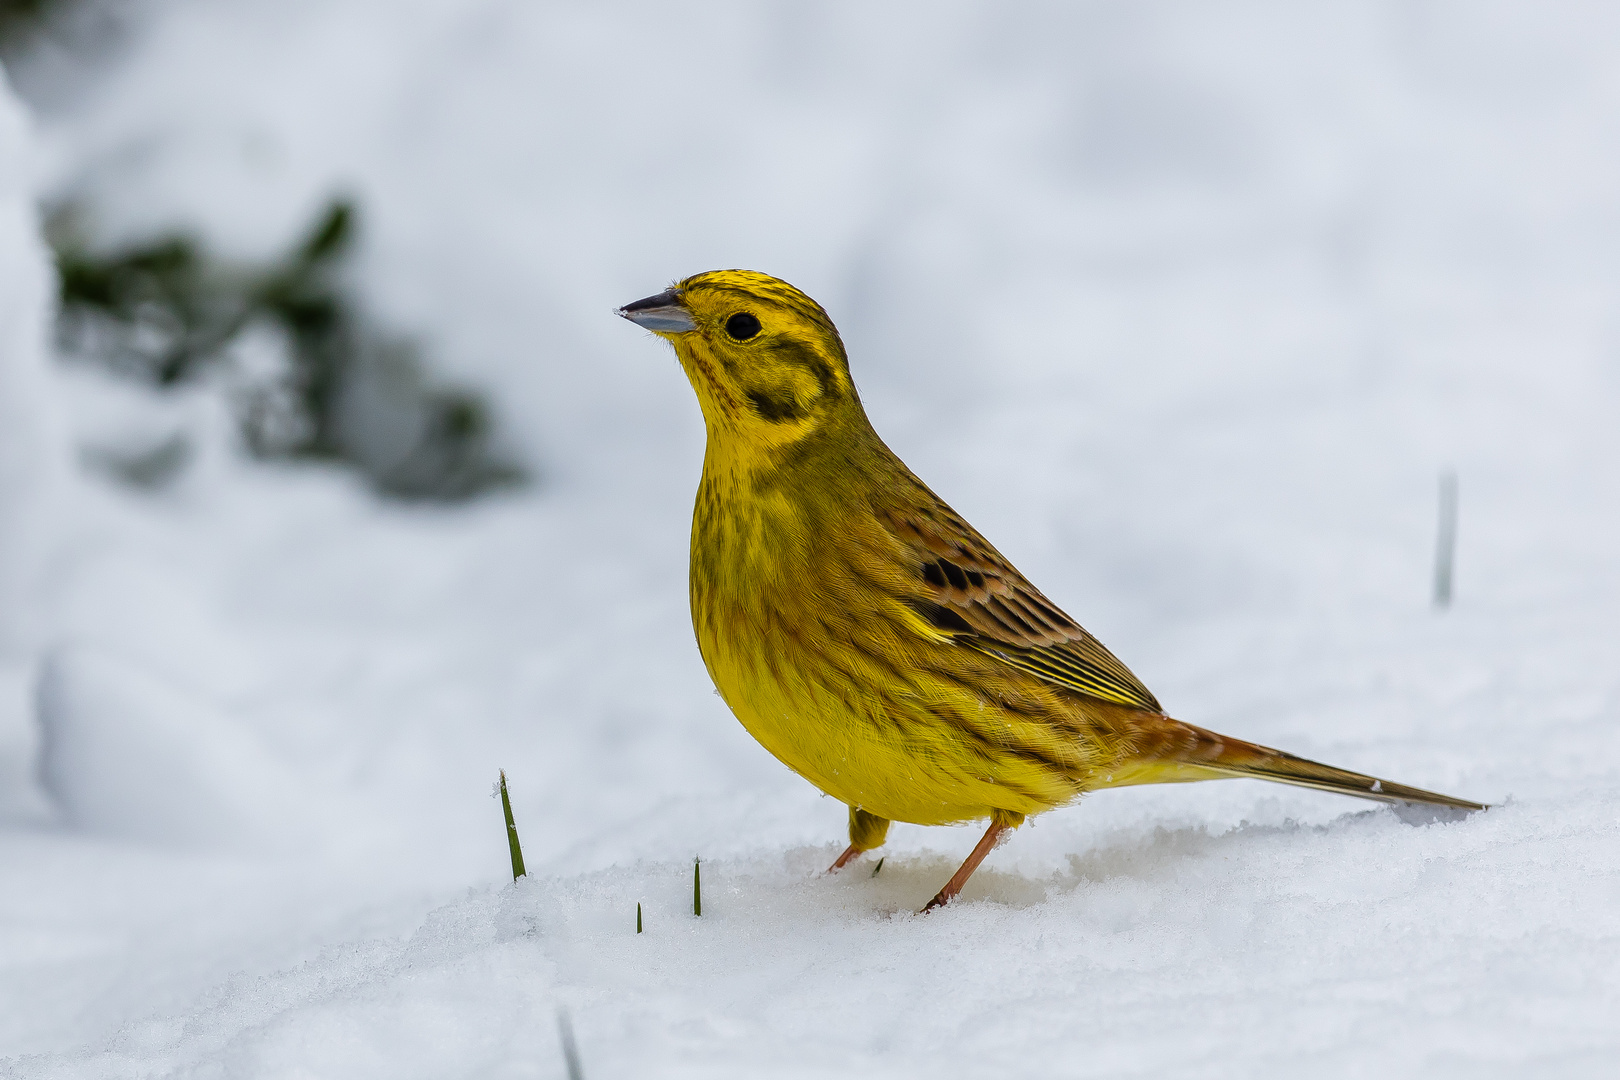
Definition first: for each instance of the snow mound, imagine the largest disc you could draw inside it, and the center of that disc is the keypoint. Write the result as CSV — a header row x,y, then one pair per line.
x,y
32,457
30,444
128,754
1361,946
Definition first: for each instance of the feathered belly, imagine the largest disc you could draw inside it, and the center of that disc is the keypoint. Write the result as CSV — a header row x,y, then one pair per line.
x,y
853,710
800,617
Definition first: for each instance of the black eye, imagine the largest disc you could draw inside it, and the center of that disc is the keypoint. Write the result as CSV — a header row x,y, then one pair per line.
x,y
742,326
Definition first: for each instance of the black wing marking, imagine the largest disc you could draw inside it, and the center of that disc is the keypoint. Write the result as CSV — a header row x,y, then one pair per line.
x,y
974,594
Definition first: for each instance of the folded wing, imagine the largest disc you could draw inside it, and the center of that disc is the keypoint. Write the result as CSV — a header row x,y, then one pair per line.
x,y
971,592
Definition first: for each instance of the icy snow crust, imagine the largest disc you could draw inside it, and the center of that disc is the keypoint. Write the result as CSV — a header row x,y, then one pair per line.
x,y
1186,306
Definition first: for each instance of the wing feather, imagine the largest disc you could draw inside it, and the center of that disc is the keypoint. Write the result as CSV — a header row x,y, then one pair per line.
x,y
971,592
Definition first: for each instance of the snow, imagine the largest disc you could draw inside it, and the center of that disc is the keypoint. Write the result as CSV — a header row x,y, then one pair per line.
x,y
31,452
1187,307
124,754
29,471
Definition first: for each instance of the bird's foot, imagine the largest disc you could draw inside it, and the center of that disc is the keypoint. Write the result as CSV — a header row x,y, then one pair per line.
x,y
845,859
992,836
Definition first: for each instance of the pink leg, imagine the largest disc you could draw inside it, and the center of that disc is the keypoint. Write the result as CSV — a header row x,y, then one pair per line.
x,y
844,859
959,879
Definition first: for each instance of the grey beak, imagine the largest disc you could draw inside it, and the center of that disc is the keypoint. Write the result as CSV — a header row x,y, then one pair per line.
x,y
662,313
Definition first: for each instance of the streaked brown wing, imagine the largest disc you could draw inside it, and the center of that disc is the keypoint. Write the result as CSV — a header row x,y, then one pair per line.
x,y
971,592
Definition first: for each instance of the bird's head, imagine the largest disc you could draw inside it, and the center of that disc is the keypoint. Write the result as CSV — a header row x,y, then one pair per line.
x,y
765,360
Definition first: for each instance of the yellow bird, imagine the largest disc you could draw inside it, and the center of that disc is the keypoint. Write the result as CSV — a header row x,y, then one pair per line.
x,y
868,636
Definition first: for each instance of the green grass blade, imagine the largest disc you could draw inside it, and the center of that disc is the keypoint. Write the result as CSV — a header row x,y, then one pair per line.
x,y
511,832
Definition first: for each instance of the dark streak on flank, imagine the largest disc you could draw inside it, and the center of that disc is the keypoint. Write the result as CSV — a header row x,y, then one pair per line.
x,y
989,748
941,617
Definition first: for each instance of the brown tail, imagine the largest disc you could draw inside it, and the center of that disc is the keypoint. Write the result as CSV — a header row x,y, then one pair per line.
x,y
1176,752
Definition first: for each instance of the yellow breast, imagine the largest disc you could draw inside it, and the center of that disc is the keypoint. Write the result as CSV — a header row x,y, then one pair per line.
x,y
796,604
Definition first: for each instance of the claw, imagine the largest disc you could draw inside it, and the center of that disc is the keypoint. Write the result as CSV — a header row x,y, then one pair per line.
x,y
991,837
845,859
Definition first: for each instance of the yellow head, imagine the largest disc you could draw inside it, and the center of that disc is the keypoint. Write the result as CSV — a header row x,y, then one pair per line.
x,y
765,360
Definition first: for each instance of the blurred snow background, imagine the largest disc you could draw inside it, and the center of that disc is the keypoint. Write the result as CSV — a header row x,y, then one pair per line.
x,y
1186,306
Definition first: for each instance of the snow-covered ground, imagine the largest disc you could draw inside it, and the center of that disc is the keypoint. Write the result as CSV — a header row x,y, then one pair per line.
x,y
1188,307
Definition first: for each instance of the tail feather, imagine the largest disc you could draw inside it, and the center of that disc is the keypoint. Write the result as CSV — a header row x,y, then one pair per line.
x,y
1179,752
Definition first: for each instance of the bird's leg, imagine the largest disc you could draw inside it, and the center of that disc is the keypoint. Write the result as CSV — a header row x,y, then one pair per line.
x,y
999,827
844,859
866,831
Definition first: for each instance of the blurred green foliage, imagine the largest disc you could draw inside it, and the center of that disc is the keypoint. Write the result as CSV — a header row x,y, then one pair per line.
x,y
336,385
19,16
167,312
22,21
